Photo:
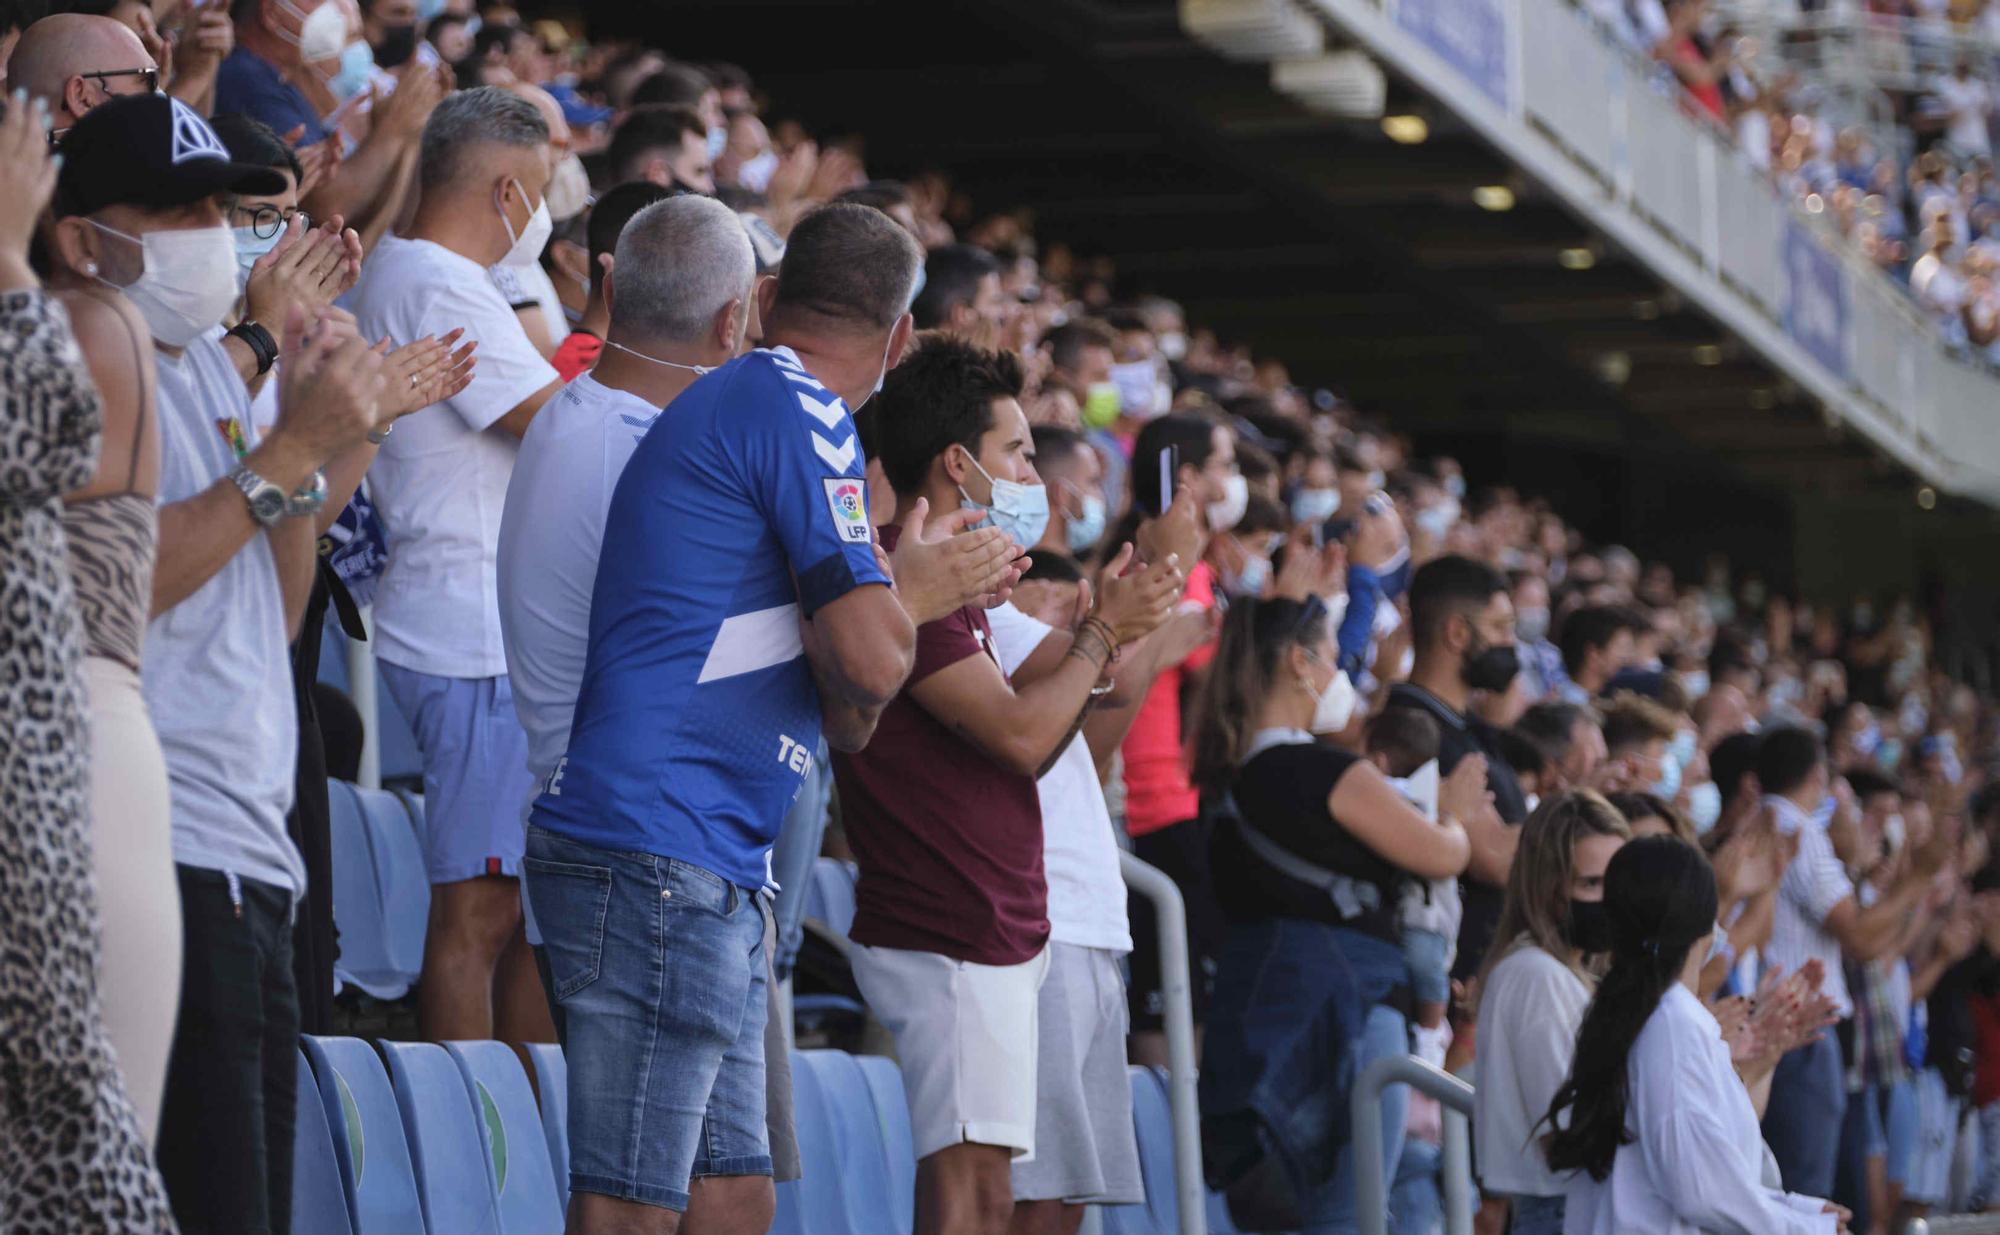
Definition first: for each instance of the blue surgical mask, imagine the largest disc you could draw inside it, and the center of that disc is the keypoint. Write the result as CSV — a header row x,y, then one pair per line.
x,y
1669,783
1314,505
1250,580
249,248
1088,527
357,65
1889,753
718,139
1681,749
1021,511
1704,805
427,11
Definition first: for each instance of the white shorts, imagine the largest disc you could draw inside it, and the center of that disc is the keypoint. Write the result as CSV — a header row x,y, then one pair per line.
x,y
966,1039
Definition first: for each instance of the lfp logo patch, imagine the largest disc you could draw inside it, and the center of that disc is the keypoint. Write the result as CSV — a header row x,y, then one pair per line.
x,y
847,498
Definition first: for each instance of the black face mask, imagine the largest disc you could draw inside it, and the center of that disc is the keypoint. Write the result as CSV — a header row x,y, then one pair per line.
x,y
1588,926
399,43
1493,668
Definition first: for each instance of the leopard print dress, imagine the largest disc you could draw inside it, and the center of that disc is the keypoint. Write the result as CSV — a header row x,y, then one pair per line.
x,y
72,1155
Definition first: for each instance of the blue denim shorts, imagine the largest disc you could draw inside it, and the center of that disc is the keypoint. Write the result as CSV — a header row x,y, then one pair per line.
x,y
658,967
1428,954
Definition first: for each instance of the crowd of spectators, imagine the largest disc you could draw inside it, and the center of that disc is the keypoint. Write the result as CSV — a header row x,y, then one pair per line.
x,y
1915,194
708,487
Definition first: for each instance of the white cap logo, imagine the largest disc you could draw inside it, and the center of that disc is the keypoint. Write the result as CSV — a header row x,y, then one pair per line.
x,y
193,139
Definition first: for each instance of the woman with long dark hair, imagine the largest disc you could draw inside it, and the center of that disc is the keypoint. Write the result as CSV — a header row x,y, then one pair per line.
x,y
1309,859
1653,1121
1533,992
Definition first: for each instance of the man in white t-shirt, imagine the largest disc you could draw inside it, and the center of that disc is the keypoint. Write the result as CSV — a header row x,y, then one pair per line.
x,y
1084,1147
440,482
1968,106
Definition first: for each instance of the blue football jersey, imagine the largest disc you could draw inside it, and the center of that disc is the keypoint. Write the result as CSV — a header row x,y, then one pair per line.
x,y
743,510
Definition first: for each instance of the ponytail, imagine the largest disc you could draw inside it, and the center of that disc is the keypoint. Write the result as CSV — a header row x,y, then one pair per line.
x,y
1256,634
1659,894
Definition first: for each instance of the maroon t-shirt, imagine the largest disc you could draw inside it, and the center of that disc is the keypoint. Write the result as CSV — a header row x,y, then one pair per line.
x,y
948,841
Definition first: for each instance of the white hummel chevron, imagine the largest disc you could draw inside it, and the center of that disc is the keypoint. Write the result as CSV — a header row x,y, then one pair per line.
x,y
828,414
837,457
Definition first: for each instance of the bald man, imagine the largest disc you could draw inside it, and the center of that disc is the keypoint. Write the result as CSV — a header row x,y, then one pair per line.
x,y
77,62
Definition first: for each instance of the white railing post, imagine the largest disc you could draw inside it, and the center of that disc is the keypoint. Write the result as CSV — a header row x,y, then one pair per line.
x,y
1371,1199
361,688
1156,886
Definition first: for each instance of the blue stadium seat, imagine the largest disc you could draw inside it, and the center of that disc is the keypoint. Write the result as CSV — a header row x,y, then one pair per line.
x,y
892,1113
510,1128
552,1083
830,896
368,1143
818,1196
381,891
319,1198
866,1182
396,828
1153,1123
357,895
789,1219
454,1177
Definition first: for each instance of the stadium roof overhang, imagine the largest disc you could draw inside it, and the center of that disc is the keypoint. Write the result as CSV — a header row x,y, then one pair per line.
x,y
1522,337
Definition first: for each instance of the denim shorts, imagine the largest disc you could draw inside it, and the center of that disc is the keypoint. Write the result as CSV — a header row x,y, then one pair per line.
x,y
659,969
1428,954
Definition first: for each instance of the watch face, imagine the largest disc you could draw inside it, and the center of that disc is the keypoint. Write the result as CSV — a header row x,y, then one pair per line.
x,y
268,503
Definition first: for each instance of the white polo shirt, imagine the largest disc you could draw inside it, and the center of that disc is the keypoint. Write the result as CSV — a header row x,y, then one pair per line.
x,y
440,480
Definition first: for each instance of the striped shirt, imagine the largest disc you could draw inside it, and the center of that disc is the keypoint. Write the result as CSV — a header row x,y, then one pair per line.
x,y
1812,886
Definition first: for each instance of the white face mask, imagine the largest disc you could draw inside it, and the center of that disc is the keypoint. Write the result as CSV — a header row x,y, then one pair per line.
x,y
569,189
527,247
755,174
187,282
1228,512
322,33
1334,706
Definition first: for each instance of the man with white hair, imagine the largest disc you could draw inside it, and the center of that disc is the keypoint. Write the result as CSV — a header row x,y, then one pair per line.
x,y
76,62
440,482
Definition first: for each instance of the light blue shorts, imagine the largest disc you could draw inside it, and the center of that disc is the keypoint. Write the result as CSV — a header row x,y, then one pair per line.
x,y
658,967
475,770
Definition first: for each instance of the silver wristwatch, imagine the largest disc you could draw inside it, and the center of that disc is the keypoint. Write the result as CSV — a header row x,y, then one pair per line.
x,y
308,500
266,500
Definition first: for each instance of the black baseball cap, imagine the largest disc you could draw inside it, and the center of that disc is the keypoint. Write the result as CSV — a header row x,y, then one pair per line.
x,y
150,150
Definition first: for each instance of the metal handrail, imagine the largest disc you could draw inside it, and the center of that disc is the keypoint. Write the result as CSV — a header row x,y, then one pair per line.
x,y
1371,1202
1178,1016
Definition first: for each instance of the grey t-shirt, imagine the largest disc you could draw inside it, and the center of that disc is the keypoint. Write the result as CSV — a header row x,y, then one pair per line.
x,y
218,673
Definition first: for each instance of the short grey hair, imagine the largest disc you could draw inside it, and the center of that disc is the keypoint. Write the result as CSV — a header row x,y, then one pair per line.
x,y
677,263
468,119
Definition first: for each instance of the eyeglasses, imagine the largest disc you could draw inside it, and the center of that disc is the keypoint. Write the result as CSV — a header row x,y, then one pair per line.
x,y
150,76
267,221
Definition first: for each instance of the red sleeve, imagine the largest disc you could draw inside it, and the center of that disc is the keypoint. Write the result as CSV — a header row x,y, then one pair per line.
x,y
1200,590
945,642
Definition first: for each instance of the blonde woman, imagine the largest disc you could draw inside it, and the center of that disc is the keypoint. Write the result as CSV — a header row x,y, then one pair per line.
x,y
1534,990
